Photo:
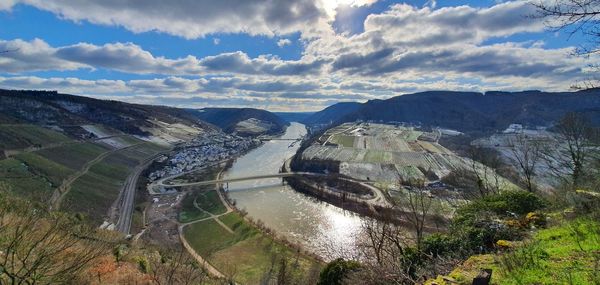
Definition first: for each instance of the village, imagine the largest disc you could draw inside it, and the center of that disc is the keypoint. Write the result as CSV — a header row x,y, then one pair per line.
x,y
207,148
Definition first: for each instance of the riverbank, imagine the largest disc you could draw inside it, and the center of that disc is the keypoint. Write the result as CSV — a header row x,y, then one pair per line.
x,y
351,199
234,246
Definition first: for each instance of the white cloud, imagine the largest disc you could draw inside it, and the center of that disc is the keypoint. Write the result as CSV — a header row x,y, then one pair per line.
x,y
216,41
37,55
283,42
194,18
402,50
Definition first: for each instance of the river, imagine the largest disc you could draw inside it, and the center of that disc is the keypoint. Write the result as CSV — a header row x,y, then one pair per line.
x,y
321,228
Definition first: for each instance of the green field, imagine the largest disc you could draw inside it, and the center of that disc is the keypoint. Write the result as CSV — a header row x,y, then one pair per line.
x,y
247,251
94,192
23,136
16,177
41,166
206,199
189,212
210,202
377,156
74,156
345,141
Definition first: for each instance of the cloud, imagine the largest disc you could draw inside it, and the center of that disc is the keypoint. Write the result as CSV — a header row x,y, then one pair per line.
x,y
193,18
23,56
449,25
403,49
37,55
283,42
216,41
239,62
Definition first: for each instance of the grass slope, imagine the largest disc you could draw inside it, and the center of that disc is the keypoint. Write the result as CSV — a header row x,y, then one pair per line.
x,y
74,156
16,178
247,252
568,253
24,136
94,193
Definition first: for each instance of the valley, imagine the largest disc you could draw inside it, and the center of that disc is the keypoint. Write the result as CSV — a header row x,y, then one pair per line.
x,y
248,202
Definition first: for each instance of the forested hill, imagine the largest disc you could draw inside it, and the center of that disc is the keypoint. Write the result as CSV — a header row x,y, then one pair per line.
x,y
244,121
468,111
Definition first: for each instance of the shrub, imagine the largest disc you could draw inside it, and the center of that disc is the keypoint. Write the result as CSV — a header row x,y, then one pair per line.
x,y
535,219
504,244
441,244
144,265
504,204
481,236
336,271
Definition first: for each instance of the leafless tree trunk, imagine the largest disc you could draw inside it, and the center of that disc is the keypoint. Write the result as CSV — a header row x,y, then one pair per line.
x,y
39,248
418,204
179,268
527,152
484,166
574,149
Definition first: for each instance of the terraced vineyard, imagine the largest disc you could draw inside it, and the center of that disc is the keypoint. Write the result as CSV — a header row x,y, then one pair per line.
x,y
17,137
90,173
384,153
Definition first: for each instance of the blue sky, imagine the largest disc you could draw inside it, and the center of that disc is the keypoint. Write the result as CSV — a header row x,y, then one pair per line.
x,y
298,55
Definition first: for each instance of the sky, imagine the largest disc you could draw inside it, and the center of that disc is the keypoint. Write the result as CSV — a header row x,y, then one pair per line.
x,y
280,55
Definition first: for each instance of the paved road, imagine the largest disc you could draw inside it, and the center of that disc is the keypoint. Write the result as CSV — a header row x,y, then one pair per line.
x,y
127,196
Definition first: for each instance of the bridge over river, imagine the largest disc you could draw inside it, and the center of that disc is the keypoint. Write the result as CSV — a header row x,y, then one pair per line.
x,y
237,179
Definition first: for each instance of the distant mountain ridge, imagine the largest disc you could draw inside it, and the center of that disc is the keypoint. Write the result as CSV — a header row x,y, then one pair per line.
x,y
293,116
244,121
467,111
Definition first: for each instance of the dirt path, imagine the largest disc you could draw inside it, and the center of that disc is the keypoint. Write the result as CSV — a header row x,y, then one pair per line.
x,y
204,263
60,192
207,266
213,216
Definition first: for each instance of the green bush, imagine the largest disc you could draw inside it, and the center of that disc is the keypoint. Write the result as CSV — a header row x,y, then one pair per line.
x,y
440,244
480,223
336,271
505,204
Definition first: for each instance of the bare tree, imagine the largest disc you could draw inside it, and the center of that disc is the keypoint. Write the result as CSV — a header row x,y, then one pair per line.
x,y
418,205
389,257
575,148
484,165
527,152
573,16
177,268
39,248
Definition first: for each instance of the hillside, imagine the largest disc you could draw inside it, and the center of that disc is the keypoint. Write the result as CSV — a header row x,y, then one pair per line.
x,y
77,154
332,113
293,116
468,111
68,113
243,121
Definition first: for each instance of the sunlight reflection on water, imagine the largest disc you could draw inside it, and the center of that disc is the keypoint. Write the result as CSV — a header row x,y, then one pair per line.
x,y
324,229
